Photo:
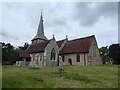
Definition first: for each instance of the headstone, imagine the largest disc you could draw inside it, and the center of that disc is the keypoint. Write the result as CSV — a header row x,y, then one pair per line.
x,y
61,70
17,63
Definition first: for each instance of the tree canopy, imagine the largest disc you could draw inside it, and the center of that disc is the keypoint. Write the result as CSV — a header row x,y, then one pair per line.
x,y
10,53
24,47
104,54
114,52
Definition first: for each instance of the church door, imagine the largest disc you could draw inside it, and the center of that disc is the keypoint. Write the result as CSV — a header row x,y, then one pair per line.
x,y
70,61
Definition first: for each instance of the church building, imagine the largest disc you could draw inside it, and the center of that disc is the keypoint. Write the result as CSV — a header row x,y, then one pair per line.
x,y
49,52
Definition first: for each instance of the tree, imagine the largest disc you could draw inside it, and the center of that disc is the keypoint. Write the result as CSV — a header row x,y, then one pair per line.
x,y
9,53
24,47
114,52
104,54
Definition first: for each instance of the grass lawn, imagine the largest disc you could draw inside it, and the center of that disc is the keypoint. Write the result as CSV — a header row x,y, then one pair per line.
x,y
103,76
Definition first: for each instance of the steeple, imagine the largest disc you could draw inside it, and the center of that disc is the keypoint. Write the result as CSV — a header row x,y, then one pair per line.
x,y
40,32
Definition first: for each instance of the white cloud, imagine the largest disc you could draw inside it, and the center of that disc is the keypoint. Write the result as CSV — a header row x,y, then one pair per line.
x,y
73,19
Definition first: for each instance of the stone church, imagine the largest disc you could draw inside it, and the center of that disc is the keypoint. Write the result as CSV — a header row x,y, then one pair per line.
x,y
49,52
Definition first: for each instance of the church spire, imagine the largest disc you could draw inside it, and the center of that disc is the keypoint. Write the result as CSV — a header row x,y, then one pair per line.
x,y
40,32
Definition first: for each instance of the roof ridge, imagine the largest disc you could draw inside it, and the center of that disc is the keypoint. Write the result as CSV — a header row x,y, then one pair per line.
x,y
82,38
60,40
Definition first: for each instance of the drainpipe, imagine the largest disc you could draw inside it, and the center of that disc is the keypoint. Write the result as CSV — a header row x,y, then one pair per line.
x,y
84,60
43,59
58,59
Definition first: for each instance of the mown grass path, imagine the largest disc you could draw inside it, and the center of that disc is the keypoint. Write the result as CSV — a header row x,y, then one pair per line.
x,y
103,76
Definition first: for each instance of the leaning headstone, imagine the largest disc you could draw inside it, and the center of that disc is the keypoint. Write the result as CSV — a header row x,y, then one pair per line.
x,y
61,70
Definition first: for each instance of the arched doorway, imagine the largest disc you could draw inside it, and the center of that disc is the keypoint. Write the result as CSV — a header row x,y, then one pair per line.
x,y
70,61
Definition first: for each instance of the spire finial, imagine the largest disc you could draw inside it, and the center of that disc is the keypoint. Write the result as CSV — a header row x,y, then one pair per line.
x,y
41,16
41,11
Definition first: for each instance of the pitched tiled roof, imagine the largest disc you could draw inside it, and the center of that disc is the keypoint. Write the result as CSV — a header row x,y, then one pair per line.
x,y
59,43
39,47
23,53
78,45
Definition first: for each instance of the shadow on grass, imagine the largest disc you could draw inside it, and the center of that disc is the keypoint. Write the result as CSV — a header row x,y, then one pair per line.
x,y
34,68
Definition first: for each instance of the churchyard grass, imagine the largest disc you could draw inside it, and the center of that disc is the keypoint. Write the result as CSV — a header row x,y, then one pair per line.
x,y
100,76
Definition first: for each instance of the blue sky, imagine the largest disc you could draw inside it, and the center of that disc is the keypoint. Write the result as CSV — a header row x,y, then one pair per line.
x,y
76,19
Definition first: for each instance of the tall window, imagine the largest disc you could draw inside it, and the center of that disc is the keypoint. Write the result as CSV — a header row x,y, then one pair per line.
x,y
52,56
78,57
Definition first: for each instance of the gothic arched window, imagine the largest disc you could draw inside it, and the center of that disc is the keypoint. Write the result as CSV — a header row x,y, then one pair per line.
x,y
52,54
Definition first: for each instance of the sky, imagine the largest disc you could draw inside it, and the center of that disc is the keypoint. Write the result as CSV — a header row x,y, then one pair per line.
x,y
76,19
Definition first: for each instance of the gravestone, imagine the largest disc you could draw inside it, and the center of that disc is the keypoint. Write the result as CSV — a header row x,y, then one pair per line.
x,y
61,70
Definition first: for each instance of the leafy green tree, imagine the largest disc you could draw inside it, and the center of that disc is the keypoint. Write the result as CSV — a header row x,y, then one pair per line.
x,y
9,53
104,54
114,52
24,47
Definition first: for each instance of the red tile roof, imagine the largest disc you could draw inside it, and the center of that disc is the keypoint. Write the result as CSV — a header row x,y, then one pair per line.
x,y
39,47
23,53
73,46
59,43
78,45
